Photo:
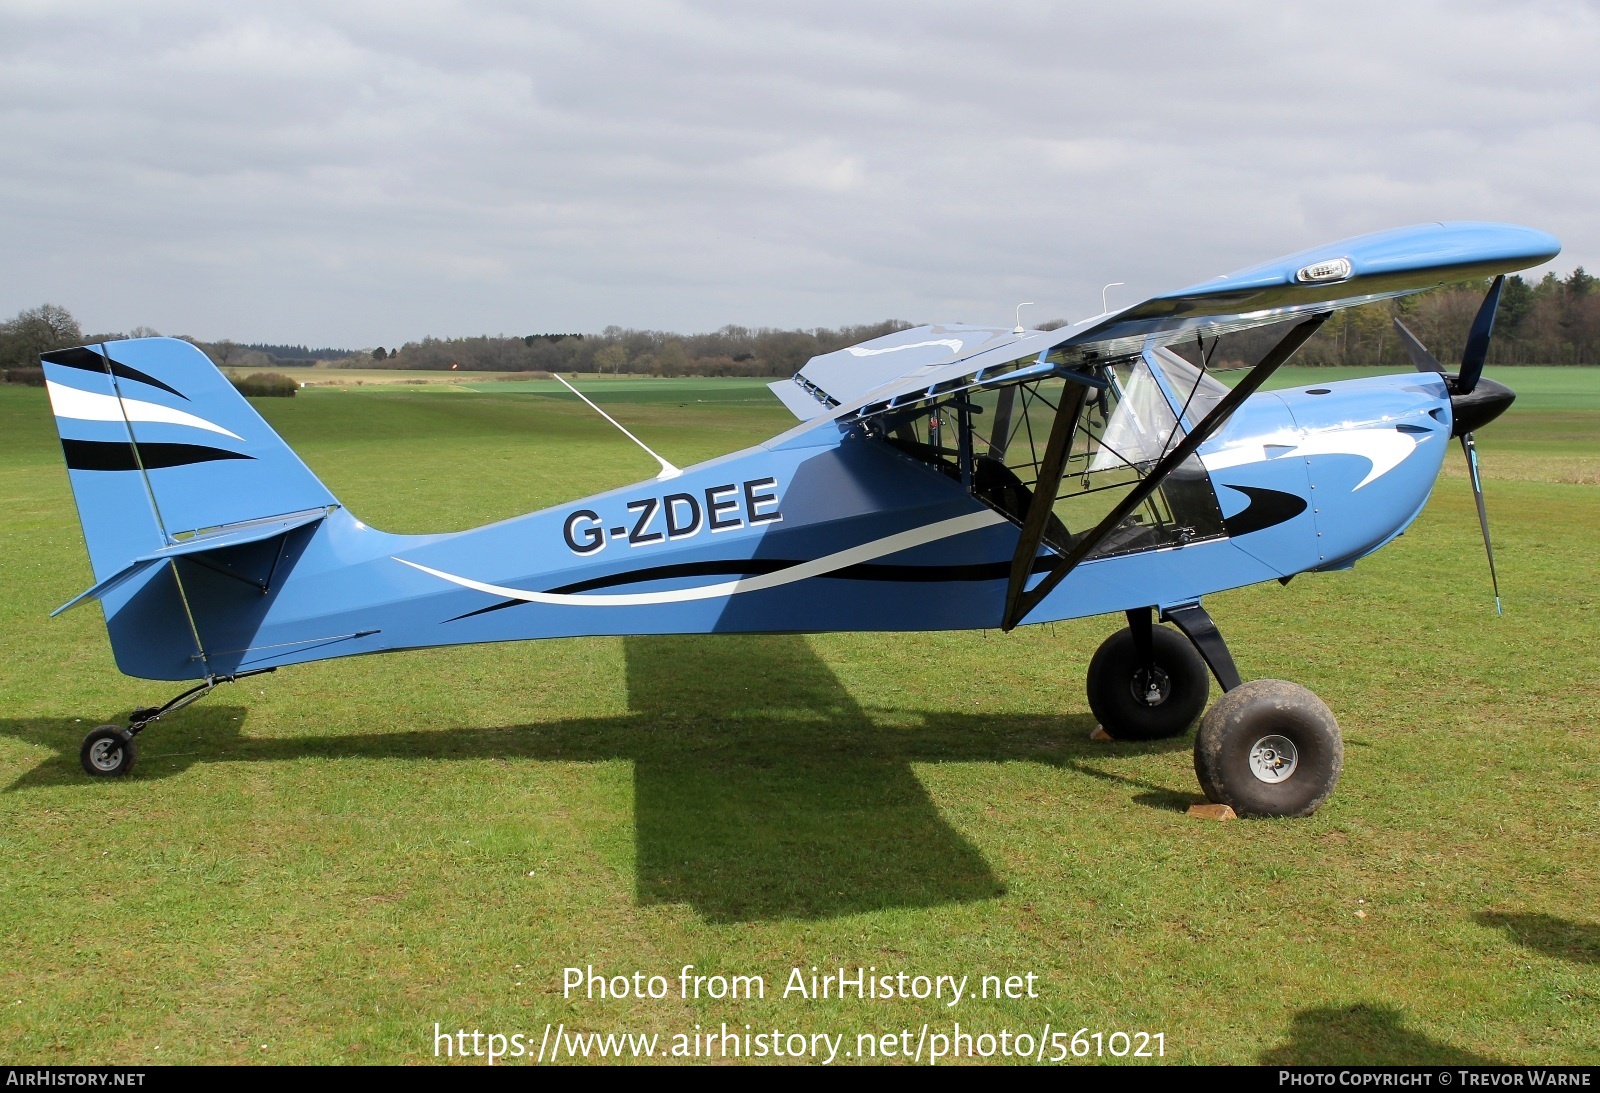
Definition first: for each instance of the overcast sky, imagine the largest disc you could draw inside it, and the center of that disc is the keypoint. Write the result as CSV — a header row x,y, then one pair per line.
x,y
363,174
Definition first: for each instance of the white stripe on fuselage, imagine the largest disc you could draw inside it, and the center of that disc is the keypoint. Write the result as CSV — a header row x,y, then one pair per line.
x,y
1385,448
69,402
817,567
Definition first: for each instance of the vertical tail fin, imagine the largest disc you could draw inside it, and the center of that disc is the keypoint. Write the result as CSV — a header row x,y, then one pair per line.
x,y
167,460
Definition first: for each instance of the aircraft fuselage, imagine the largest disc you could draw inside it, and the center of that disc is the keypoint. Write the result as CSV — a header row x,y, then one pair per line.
x,y
823,528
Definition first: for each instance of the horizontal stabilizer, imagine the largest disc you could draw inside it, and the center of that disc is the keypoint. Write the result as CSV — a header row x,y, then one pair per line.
x,y
240,534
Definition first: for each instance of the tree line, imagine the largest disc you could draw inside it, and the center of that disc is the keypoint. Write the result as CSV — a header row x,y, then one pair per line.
x,y
1551,321
1555,320
731,351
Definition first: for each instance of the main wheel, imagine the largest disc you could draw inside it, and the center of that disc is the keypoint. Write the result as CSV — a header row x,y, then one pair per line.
x,y
1133,702
108,751
1269,748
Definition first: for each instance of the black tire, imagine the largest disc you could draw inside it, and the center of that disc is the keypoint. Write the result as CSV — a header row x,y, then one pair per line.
x,y
1120,695
1255,719
108,752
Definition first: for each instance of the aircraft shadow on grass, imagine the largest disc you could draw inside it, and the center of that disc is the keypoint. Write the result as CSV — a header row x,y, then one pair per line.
x,y
763,791
1368,1034
1578,942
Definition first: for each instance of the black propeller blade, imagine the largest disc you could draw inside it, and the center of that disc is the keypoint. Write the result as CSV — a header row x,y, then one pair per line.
x,y
1471,451
1468,411
1420,357
1478,341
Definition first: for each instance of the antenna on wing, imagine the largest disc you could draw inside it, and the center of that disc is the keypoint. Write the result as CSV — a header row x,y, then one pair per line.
x,y
1105,308
667,469
1019,331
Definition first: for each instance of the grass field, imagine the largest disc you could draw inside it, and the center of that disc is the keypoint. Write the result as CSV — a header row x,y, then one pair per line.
x,y
319,865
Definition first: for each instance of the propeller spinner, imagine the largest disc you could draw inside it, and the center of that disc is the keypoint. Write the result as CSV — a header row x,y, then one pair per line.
x,y
1474,401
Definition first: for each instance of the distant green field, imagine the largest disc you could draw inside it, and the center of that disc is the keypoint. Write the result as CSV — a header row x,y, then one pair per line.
x,y
626,387
319,865
645,389
355,377
1551,433
1537,387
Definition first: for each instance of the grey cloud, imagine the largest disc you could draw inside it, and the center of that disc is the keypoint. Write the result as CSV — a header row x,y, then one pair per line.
x,y
366,173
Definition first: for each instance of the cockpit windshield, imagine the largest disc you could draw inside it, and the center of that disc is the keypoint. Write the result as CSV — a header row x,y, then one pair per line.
x,y
1197,392
1142,426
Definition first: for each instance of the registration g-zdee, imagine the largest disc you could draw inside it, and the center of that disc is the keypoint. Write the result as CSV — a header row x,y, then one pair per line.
x,y
945,477
677,516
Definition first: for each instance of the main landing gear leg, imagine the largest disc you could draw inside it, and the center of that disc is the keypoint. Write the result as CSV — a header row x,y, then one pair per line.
x,y
109,751
1203,634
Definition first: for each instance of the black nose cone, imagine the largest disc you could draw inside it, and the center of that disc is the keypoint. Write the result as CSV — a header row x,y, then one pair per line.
x,y
1475,409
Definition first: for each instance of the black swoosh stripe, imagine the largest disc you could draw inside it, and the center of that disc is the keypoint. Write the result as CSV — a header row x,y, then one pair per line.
x,y
502,605
117,455
1267,508
865,571
745,567
88,360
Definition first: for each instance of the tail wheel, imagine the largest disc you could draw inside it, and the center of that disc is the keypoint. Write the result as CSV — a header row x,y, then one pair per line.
x,y
108,751
1137,701
1269,748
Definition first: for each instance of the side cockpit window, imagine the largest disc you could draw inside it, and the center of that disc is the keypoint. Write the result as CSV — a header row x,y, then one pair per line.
x,y
993,442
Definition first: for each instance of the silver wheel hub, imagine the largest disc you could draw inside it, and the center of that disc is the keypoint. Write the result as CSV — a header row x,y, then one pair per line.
x,y
105,754
1273,758
1151,687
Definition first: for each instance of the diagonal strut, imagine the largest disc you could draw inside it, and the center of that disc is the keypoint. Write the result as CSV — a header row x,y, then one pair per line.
x,y
1045,487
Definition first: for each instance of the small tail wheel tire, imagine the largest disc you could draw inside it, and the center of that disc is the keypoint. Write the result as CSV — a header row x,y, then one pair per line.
x,y
108,752
1269,748
1135,701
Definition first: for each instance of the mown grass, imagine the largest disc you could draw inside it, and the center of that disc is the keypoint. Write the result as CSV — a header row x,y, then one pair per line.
x,y
318,865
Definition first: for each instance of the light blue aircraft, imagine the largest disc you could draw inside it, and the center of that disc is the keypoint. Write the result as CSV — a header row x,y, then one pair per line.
x,y
940,478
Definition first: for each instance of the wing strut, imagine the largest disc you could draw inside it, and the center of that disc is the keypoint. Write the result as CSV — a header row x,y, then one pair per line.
x,y
667,469
1045,487
1019,600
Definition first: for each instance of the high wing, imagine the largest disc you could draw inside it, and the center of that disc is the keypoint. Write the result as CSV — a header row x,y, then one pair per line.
x,y
930,361
888,376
